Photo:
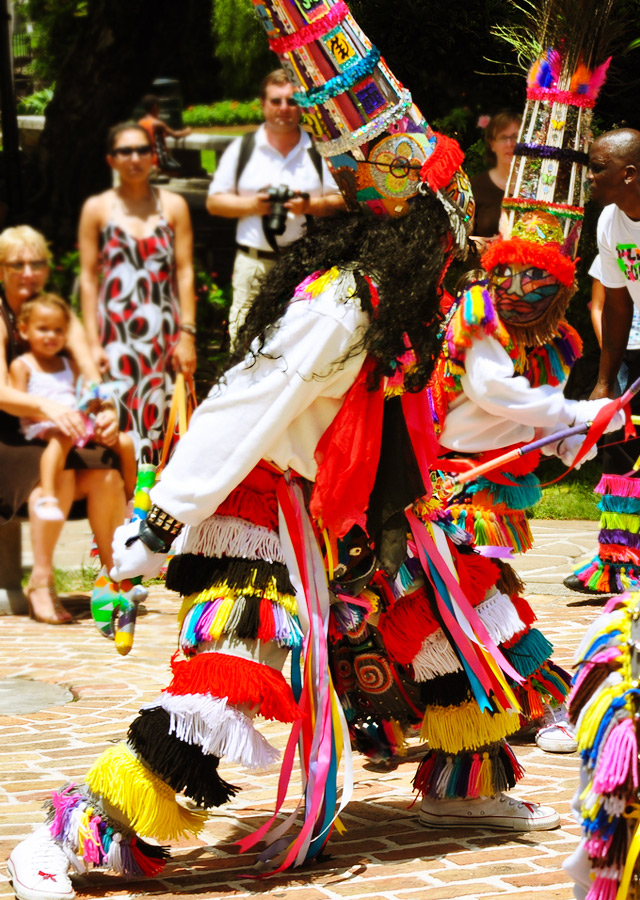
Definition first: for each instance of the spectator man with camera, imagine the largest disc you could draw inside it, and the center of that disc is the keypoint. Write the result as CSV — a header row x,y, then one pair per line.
x,y
272,180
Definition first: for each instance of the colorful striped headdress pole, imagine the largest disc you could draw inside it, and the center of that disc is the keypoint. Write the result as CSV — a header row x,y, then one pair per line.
x,y
376,141
543,206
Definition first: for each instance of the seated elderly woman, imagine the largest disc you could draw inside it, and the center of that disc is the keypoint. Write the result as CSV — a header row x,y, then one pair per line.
x,y
91,473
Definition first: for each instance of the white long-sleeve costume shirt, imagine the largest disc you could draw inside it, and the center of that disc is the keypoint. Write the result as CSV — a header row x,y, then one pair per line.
x,y
498,408
276,408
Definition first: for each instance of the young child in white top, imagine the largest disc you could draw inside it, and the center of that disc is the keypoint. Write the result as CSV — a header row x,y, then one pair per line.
x,y
43,323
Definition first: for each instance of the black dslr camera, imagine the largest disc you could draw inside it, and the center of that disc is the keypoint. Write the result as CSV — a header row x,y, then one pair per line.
x,y
276,220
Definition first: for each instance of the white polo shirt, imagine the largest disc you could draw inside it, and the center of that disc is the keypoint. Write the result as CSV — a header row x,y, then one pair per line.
x,y
267,167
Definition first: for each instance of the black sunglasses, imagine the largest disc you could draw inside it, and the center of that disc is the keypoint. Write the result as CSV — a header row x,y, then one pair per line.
x,y
142,150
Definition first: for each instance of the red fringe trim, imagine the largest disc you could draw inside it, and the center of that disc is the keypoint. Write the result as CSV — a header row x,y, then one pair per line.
x,y
535,92
446,159
254,499
544,256
239,680
524,610
476,575
550,688
619,553
405,626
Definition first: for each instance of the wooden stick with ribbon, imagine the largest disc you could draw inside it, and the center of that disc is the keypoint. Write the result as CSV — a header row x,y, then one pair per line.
x,y
594,431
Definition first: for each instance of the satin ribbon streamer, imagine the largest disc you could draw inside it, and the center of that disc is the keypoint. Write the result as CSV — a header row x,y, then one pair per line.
x,y
427,552
322,734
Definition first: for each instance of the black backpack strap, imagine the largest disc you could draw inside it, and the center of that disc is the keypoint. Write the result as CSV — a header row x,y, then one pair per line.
x,y
247,143
316,159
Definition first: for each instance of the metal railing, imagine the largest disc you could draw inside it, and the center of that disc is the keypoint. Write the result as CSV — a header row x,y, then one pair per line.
x,y
22,46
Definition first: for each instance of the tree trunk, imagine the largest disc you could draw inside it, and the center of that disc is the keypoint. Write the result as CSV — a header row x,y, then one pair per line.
x,y
124,45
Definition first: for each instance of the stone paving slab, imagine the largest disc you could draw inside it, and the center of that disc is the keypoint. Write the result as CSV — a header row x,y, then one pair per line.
x,y
384,853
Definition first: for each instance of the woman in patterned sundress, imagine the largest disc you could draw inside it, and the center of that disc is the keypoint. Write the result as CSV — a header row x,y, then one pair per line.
x,y
136,282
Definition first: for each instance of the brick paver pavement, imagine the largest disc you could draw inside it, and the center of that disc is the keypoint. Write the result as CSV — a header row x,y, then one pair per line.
x,y
385,852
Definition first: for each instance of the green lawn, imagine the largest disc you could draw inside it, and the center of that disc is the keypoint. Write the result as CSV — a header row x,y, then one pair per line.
x,y
573,496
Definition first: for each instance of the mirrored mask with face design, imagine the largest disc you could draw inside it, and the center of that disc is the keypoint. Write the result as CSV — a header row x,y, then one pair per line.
x,y
523,293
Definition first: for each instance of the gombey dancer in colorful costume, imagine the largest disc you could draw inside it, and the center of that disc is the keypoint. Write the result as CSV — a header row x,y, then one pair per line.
x,y
508,350
497,384
304,397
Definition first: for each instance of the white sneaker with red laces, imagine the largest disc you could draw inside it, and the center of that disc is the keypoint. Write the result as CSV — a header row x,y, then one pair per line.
x,y
500,811
38,869
558,736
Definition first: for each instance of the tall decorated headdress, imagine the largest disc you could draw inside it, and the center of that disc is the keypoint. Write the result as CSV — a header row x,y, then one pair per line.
x,y
377,143
532,266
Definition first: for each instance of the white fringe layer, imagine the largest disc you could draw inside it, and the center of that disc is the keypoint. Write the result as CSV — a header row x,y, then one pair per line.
x,y
500,617
229,536
216,727
435,657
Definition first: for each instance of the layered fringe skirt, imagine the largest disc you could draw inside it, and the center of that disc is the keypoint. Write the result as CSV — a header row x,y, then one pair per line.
x,y
238,622
604,705
616,566
398,672
421,683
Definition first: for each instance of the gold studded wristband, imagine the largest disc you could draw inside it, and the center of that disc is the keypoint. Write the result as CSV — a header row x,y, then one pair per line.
x,y
164,526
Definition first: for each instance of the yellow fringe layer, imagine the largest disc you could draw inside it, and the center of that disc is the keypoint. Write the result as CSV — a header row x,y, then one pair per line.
x,y
224,592
455,728
148,803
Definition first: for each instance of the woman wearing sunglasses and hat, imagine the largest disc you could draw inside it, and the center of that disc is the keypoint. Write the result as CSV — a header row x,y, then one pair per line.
x,y
136,282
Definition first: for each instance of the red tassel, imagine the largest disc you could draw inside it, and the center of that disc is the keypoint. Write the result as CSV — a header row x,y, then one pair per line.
x,y
148,865
267,627
535,708
241,681
476,575
439,168
524,610
518,771
405,626
422,780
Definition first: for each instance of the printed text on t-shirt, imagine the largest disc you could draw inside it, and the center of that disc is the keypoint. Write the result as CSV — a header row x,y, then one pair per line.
x,y
629,261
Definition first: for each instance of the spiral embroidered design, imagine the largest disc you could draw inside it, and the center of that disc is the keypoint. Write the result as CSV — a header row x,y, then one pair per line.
x,y
373,673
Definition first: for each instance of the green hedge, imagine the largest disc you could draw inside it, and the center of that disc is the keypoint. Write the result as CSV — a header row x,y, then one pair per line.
x,y
225,112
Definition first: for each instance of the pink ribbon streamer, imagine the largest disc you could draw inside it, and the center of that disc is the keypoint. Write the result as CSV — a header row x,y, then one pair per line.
x,y
316,758
427,551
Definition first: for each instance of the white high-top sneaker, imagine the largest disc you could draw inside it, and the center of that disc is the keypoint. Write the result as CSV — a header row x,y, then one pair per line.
x,y
500,811
38,868
557,735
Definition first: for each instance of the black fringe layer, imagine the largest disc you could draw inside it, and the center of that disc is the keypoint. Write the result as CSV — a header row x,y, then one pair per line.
x,y
190,573
184,767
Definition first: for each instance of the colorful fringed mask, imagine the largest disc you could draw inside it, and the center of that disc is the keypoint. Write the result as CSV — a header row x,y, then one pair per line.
x,y
532,265
376,141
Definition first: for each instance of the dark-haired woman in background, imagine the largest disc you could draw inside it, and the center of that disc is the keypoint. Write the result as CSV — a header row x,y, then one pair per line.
x,y
488,187
136,282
